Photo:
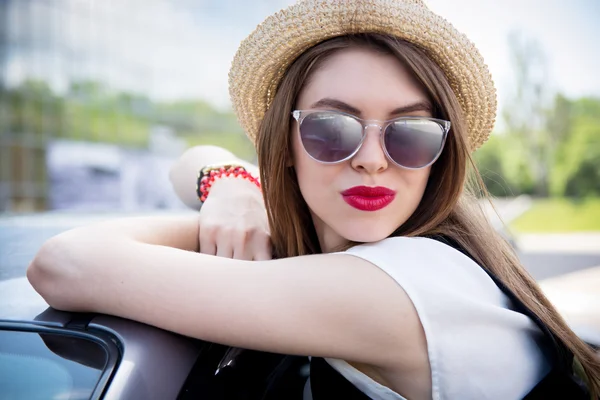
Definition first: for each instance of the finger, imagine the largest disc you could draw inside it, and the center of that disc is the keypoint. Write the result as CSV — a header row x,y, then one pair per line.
x,y
262,256
207,242
263,249
242,249
224,247
242,252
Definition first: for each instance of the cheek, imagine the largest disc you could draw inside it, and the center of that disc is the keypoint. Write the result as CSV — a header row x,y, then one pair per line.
x,y
306,168
410,186
312,176
302,165
316,180
416,182
421,178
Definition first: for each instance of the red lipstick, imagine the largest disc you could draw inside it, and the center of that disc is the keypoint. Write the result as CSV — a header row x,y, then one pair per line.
x,y
367,198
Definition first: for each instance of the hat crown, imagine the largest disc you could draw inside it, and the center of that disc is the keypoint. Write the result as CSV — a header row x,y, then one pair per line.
x,y
265,55
363,2
354,7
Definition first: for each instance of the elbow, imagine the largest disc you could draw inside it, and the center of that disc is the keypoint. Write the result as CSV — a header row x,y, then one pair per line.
x,y
52,275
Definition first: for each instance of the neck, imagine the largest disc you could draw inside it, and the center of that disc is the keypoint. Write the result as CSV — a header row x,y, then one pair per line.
x,y
329,241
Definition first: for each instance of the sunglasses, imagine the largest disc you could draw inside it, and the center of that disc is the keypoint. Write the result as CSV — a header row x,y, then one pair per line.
x,y
409,142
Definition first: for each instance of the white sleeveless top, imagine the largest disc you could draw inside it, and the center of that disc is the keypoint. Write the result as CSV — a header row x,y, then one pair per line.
x,y
478,346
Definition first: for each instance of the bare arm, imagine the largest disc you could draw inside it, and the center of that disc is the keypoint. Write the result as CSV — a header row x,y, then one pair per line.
x,y
184,172
233,221
146,269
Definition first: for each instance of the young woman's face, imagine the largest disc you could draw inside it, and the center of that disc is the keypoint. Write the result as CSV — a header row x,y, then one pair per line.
x,y
370,86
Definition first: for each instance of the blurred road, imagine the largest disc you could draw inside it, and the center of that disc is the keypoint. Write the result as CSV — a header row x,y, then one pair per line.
x,y
22,236
550,255
543,255
550,263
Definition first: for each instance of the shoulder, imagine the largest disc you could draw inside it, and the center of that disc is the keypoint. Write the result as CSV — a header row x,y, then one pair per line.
x,y
462,313
429,268
407,245
406,253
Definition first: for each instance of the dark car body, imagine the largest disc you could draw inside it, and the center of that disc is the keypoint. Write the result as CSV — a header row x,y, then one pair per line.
x,y
49,354
124,359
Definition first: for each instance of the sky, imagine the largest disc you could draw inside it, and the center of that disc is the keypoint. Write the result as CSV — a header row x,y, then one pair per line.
x,y
183,48
566,32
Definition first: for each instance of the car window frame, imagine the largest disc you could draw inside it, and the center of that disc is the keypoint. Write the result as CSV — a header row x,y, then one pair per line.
x,y
107,341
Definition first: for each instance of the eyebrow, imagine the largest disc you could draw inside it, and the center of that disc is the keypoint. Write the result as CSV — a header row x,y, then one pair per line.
x,y
328,102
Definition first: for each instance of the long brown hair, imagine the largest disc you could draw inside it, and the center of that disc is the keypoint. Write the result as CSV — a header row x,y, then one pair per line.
x,y
448,207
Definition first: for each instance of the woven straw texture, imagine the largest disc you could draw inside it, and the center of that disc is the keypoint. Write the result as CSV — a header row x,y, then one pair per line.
x,y
266,53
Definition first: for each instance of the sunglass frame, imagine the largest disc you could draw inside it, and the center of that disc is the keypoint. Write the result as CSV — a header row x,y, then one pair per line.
x,y
300,115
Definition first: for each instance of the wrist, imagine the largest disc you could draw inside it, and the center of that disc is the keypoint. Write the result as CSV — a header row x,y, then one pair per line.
x,y
212,175
230,187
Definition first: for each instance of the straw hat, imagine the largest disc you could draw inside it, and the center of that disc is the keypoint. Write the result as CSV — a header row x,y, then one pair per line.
x,y
264,56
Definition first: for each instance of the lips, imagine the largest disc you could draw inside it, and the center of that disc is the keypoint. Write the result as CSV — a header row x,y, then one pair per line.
x,y
367,198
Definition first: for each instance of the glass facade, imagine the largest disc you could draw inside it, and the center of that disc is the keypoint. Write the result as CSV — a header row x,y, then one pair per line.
x,y
94,72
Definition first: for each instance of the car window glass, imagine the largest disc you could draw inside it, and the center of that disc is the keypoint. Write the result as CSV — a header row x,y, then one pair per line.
x,y
49,365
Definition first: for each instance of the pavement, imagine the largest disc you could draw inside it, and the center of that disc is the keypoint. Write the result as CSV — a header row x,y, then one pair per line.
x,y
576,296
548,255
567,267
572,243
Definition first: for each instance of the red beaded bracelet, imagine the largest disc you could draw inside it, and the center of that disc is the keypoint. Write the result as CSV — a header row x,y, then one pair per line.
x,y
208,175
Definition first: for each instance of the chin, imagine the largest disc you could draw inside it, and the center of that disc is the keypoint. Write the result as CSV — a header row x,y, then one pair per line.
x,y
364,234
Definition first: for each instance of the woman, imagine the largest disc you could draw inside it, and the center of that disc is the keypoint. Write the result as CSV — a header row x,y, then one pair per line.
x,y
364,114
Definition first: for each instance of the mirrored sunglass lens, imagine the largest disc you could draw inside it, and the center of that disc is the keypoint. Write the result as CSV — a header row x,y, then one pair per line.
x,y
330,137
414,143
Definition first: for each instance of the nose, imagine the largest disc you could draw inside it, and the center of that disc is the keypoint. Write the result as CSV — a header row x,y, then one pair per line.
x,y
370,157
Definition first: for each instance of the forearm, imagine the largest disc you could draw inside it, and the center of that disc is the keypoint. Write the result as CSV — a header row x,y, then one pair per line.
x,y
184,172
162,286
67,268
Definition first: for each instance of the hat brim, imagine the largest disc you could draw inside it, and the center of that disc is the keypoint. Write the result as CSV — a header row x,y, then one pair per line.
x,y
264,56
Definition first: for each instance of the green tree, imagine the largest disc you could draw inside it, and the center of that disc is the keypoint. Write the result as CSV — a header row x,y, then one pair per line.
x,y
503,166
525,117
576,170
89,110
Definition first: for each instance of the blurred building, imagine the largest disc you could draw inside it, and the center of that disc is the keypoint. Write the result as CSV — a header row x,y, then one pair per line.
x,y
80,71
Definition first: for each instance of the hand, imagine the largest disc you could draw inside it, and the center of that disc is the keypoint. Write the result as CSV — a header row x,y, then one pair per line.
x,y
233,221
